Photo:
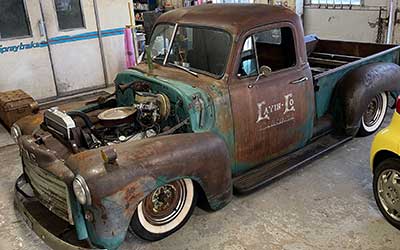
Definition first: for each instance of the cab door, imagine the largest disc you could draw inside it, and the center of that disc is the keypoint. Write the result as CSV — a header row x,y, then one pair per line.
x,y
272,113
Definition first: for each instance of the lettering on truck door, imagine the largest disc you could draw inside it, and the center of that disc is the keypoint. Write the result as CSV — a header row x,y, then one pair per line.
x,y
274,114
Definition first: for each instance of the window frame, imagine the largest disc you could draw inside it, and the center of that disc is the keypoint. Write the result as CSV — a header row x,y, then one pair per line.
x,y
253,44
172,38
229,55
28,22
262,28
71,29
235,2
335,3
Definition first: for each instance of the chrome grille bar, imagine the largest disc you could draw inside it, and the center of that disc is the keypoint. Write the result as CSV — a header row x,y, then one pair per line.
x,y
51,192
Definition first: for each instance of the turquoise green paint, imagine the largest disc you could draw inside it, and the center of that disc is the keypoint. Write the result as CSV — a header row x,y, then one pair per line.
x,y
79,220
184,92
179,90
162,180
149,60
217,204
95,106
125,98
328,83
216,90
175,90
230,144
241,167
89,108
109,243
108,232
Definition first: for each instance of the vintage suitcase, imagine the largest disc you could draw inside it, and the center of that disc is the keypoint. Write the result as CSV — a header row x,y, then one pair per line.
x,y
14,105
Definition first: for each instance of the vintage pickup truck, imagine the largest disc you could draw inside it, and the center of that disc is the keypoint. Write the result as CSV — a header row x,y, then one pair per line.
x,y
229,98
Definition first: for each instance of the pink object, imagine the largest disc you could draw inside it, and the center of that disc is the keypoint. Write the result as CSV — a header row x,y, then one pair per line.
x,y
130,59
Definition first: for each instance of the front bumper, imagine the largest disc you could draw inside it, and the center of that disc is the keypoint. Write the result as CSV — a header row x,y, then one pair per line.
x,y
386,140
55,232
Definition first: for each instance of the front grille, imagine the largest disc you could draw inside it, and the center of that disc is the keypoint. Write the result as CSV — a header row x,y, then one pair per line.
x,y
50,191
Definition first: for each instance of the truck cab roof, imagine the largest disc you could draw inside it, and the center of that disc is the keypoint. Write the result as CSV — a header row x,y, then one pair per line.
x,y
234,18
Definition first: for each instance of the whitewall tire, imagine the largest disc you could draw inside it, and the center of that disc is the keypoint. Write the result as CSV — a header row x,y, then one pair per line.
x,y
374,115
165,210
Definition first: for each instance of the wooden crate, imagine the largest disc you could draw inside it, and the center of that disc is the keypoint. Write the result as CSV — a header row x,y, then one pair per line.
x,y
14,105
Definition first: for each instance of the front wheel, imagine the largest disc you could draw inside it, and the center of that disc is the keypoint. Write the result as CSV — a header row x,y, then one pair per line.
x,y
386,186
373,117
165,210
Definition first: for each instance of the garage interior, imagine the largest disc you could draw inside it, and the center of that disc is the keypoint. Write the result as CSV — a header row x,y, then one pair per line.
x,y
327,203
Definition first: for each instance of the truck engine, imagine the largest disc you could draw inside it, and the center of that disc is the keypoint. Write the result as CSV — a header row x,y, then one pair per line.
x,y
144,114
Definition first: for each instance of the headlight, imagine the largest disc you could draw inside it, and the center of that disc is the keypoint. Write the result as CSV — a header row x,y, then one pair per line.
x,y
81,191
15,132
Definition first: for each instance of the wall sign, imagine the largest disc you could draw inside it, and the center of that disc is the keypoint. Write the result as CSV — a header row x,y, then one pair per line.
x,y
20,46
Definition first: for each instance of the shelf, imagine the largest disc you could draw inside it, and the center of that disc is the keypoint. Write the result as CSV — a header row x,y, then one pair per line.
x,y
144,5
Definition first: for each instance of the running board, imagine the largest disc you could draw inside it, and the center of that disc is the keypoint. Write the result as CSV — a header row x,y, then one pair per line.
x,y
259,176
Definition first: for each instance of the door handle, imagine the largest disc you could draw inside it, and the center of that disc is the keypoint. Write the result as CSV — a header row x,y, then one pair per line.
x,y
42,30
298,81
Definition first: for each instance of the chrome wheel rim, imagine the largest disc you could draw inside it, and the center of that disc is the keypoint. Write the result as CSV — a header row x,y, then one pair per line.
x,y
389,192
374,111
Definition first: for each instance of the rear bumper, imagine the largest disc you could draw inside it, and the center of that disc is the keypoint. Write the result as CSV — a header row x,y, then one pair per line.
x,y
54,231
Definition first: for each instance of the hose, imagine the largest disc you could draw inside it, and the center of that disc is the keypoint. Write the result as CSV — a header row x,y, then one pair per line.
x,y
83,116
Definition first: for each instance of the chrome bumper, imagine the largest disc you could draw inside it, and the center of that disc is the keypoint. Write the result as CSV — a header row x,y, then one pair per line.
x,y
54,231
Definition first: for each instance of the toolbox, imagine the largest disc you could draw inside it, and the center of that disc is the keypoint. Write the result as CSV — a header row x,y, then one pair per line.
x,y
14,105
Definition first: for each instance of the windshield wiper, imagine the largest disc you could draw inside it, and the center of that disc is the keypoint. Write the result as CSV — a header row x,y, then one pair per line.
x,y
183,68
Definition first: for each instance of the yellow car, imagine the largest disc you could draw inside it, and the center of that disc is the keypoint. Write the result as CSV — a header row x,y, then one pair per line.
x,y
385,165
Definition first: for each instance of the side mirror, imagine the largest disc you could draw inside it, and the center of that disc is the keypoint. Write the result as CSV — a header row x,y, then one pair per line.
x,y
264,71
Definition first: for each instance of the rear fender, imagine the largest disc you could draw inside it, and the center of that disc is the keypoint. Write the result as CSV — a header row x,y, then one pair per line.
x,y
141,167
356,89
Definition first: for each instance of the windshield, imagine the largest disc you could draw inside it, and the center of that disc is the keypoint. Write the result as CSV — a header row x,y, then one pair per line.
x,y
195,48
159,42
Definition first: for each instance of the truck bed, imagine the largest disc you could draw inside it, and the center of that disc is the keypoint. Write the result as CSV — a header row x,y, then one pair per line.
x,y
330,60
326,55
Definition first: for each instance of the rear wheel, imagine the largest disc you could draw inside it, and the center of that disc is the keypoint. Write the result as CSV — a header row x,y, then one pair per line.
x,y
165,210
386,185
373,117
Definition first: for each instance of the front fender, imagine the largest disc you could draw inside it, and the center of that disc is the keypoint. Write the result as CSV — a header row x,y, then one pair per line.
x,y
356,89
141,167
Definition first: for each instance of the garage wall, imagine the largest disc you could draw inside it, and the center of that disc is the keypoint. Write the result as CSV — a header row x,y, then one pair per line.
x,y
288,3
25,61
69,59
358,24
113,15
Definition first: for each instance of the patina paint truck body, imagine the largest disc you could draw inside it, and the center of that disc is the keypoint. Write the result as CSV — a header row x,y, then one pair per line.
x,y
228,126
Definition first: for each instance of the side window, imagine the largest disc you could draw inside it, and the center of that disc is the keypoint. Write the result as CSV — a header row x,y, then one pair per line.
x,y
248,65
13,19
69,14
274,48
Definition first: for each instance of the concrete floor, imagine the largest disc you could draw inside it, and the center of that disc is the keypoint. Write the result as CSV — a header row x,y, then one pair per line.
x,y
326,205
